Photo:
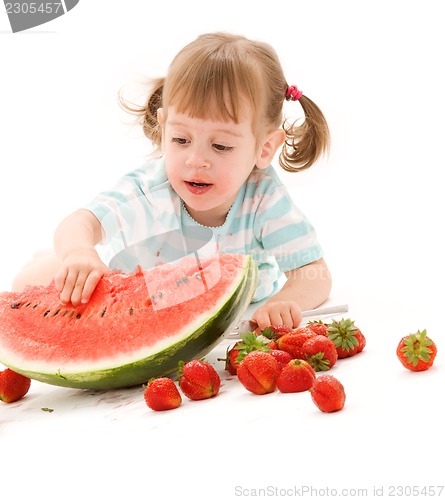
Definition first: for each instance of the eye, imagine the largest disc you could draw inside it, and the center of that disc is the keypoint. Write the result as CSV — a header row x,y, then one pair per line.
x,y
179,140
225,149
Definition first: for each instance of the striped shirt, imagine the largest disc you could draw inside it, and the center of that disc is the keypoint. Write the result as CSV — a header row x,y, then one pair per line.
x,y
146,223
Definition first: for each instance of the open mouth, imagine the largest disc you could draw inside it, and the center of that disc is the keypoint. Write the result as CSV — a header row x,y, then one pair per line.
x,y
198,188
198,184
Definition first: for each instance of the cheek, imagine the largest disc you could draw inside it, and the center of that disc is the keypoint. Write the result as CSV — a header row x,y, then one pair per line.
x,y
172,154
233,178
172,172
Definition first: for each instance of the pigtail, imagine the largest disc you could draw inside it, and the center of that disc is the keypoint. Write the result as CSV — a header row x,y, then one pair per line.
x,y
305,142
147,113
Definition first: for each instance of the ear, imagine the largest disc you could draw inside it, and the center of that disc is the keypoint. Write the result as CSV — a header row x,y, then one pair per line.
x,y
269,147
161,120
160,116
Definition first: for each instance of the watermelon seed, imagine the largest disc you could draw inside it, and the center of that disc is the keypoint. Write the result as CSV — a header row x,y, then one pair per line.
x,y
160,295
179,282
198,276
28,304
185,279
56,313
16,305
35,305
131,311
103,313
46,313
78,316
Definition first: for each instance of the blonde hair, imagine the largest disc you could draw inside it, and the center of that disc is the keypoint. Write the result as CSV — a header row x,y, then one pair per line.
x,y
216,75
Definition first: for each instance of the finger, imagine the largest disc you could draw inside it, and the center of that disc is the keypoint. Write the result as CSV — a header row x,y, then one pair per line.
x,y
77,291
68,287
277,317
60,278
296,317
286,318
90,285
261,319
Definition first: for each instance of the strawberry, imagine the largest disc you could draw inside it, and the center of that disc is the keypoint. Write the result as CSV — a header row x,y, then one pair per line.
x,y
272,344
328,393
258,372
282,357
231,363
162,394
318,327
302,329
293,342
320,353
13,386
416,351
251,342
347,338
273,332
297,376
198,379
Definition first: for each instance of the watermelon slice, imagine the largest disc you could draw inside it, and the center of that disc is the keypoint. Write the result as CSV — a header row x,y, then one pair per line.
x,y
135,326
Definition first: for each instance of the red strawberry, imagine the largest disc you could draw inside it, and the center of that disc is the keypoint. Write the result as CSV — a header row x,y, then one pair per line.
x,y
273,332
282,357
293,342
162,394
252,342
348,339
13,386
231,363
302,329
320,353
318,327
416,351
296,376
198,379
361,341
249,342
328,393
258,372
272,344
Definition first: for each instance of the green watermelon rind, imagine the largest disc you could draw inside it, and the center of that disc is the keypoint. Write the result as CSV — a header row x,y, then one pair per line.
x,y
164,362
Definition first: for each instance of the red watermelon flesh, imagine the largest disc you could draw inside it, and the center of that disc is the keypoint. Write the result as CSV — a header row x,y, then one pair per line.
x,y
134,327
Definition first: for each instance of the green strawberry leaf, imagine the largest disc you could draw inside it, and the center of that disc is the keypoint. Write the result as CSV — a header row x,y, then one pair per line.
x,y
251,342
318,362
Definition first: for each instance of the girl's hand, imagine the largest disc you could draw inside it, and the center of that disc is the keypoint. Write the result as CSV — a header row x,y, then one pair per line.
x,y
306,288
78,276
279,312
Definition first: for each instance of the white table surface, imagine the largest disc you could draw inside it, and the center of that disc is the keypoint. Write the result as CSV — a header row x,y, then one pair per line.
x,y
109,444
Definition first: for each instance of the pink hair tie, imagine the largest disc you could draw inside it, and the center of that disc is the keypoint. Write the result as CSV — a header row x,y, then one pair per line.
x,y
293,94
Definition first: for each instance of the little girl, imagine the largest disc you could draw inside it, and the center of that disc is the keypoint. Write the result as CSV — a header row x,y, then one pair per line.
x,y
216,122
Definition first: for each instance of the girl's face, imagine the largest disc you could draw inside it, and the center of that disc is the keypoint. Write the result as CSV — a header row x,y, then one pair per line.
x,y
207,161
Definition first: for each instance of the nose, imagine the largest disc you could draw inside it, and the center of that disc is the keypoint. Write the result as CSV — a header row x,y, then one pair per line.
x,y
196,158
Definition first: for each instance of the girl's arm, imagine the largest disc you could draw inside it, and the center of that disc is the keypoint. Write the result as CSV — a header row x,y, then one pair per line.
x,y
306,288
81,269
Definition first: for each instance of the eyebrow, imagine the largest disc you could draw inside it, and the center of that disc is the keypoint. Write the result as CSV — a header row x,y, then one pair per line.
x,y
219,130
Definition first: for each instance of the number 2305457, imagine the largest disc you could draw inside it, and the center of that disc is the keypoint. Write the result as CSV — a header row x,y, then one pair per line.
x,y
33,7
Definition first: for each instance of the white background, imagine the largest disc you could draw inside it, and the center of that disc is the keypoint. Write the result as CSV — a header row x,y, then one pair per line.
x,y
373,67
376,70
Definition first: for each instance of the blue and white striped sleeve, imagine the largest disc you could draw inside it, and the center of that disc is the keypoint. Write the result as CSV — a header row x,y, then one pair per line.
x,y
284,231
